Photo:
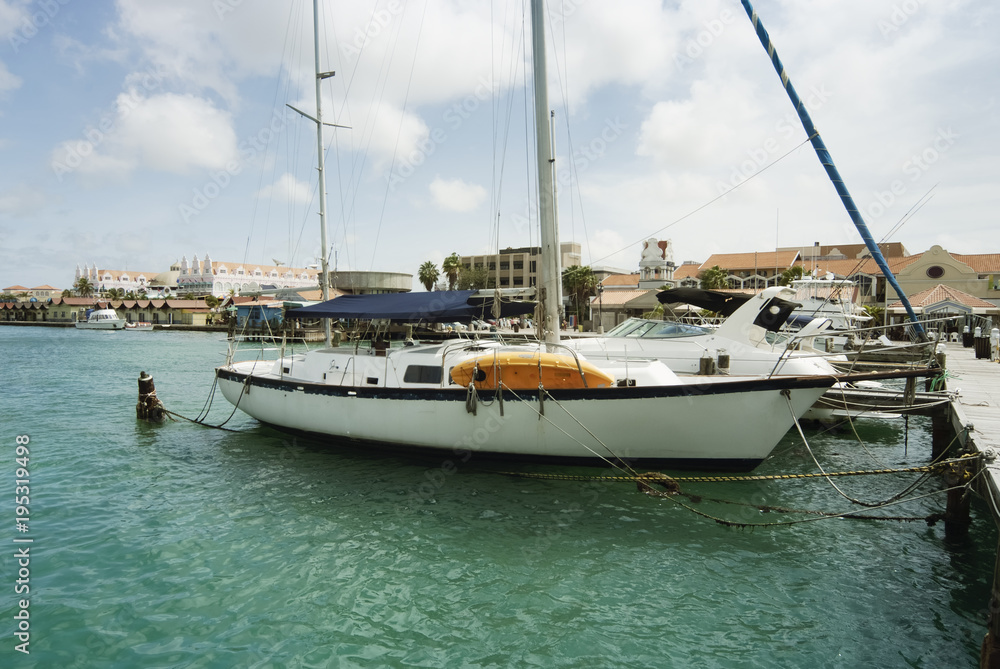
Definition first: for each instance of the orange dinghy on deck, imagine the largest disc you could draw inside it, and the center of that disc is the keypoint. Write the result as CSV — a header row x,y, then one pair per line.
x,y
525,371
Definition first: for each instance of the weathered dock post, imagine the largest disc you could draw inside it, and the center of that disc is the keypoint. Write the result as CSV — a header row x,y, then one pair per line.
x,y
956,516
149,407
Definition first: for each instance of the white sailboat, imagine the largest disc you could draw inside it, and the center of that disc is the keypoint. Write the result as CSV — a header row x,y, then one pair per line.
x,y
530,401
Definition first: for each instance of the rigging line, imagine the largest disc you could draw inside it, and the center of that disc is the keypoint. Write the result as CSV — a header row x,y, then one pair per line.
x,y
506,138
920,480
574,176
402,117
713,200
368,130
541,416
917,206
274,105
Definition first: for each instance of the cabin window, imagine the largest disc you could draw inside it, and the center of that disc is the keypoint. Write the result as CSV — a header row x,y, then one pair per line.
x,y
422,374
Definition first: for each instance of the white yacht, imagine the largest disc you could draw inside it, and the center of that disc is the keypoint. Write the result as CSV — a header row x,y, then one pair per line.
x,y
102,319
746,343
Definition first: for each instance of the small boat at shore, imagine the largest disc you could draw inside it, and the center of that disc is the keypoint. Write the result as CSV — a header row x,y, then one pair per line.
x,y
102,319
140,326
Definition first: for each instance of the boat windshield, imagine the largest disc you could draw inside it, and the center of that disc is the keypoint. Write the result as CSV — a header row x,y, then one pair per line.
x,y
637,327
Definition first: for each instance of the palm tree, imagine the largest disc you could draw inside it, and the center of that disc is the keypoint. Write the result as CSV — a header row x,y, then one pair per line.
x,y
451,265
714,278
83,287
116,293
877,313
428,275
142,293
793,273
580,283
67,293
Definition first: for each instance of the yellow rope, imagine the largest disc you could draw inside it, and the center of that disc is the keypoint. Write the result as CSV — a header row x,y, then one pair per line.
x,y
654,476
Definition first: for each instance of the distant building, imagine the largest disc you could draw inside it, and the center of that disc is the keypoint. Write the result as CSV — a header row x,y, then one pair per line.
x,y
518,268
107,279
210,277
756,270
656,264
943,301
686,276
816,252
17,290
38,293
370,283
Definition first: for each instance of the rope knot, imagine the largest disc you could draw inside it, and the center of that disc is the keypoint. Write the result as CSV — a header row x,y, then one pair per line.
x,y
645,483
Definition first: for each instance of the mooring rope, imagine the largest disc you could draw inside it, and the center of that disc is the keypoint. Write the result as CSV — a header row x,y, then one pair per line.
x,y
743,478
848,515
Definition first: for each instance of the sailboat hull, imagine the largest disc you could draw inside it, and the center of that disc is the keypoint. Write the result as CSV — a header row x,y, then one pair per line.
x,y
730,425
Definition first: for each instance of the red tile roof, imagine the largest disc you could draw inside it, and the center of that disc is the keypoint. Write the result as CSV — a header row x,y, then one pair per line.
x,y
748,261
621,280
984,263
616,298
942,293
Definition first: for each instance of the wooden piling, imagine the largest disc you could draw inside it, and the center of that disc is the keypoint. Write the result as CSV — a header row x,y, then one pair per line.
x,y
149,407
956,516
942,433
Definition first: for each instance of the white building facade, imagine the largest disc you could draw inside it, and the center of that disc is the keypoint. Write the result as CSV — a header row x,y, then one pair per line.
x,y
206,276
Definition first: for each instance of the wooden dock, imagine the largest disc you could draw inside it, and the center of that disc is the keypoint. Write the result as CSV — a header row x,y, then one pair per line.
x,y
975,416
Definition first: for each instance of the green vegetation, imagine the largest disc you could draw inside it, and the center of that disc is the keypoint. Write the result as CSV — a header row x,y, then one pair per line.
x,y
475,278
451,266
428,275
579,283
714,278
793,273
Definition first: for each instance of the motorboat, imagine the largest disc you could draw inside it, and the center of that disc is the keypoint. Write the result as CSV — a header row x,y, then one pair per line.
x,y
102,319
748,342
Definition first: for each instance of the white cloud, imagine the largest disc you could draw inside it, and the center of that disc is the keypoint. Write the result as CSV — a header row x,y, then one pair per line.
x,y
289,189
12,17
8,81
167,133
456,195
21,201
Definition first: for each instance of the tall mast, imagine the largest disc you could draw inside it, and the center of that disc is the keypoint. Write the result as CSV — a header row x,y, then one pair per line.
x,y
551,259
324,275
324,282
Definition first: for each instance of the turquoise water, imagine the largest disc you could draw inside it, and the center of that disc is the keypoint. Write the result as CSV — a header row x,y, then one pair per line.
x,y
181,546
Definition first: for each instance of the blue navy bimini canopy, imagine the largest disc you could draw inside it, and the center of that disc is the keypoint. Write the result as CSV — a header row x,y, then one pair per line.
x,y
433,307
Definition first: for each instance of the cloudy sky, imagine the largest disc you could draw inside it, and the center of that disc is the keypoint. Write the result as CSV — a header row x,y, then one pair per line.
x,y
135,132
